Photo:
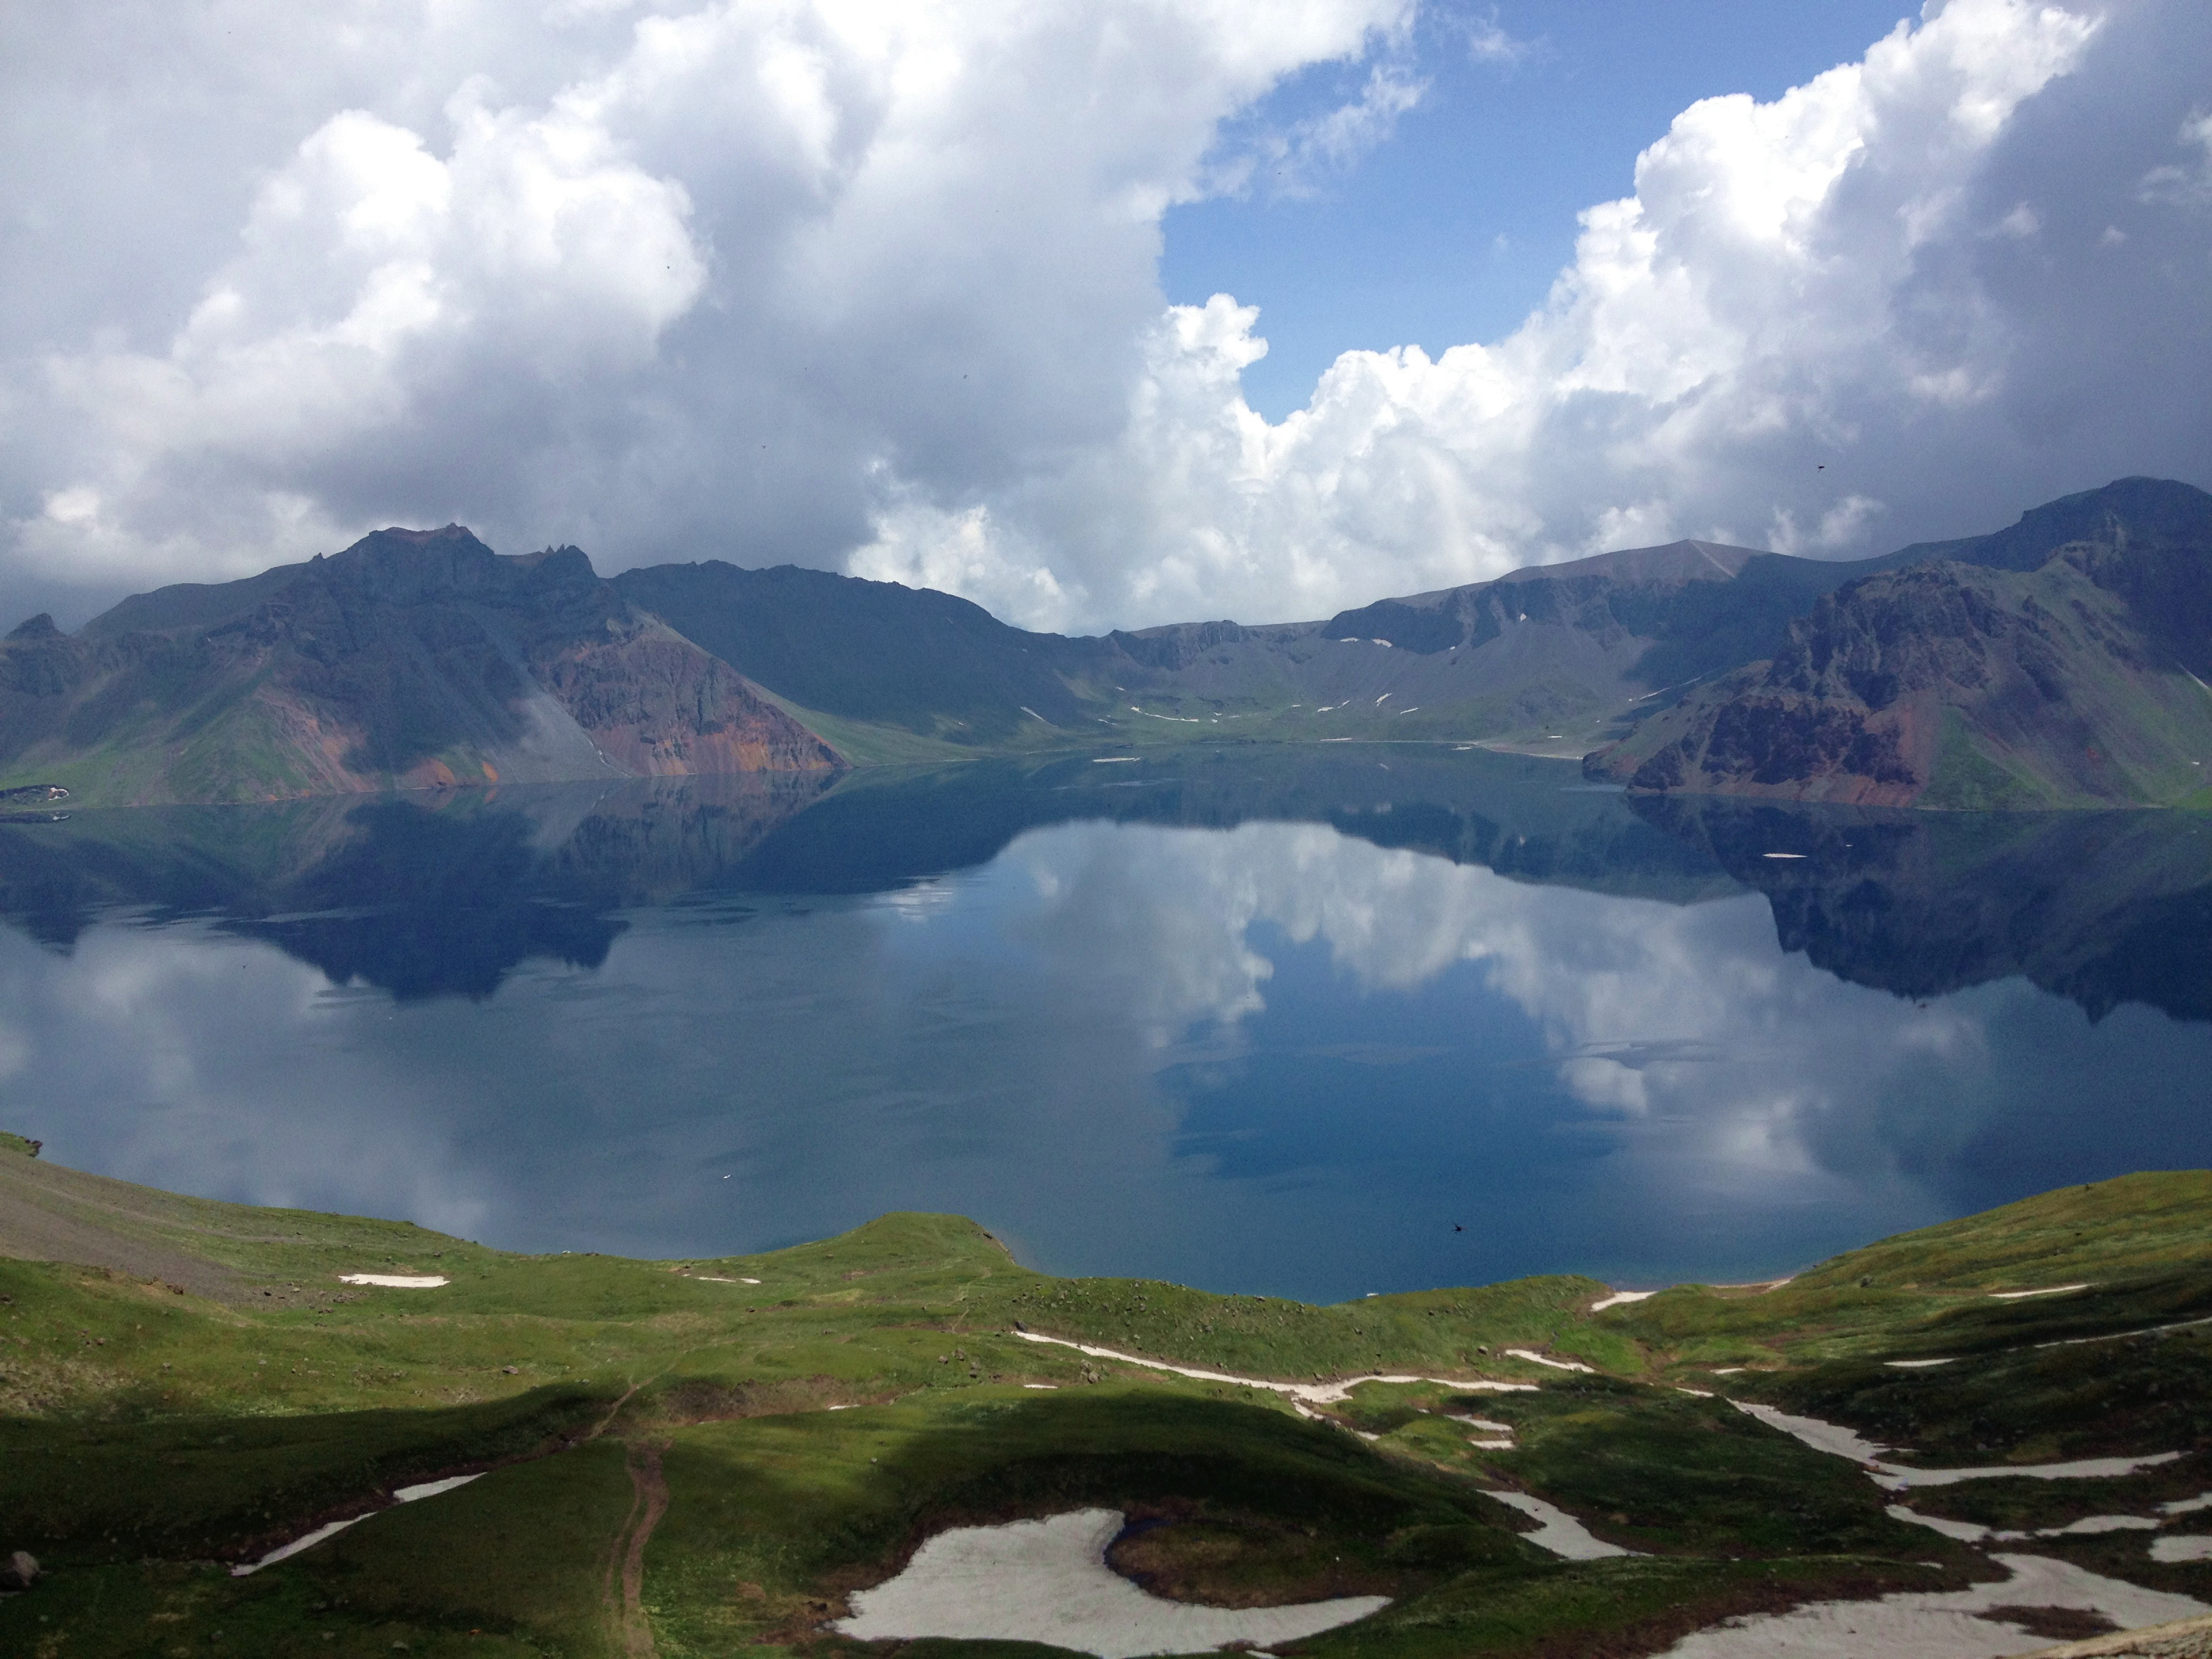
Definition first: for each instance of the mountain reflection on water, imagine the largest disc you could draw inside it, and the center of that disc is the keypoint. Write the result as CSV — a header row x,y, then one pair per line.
x,y
1270,1020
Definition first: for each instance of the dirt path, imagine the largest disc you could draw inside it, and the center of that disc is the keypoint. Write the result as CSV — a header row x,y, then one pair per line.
x,y
615,1411
625,1574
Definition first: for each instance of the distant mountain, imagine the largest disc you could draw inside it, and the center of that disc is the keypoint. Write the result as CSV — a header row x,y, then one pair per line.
x,y
420,659
413,659
1988,678
1551,655
1554,659
862,655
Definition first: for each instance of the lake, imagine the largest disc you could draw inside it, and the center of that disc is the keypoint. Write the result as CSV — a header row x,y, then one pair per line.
x,y
1308,1022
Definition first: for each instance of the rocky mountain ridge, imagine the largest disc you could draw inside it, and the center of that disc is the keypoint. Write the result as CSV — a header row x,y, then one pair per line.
x,y
1981,672
412,659
2081,680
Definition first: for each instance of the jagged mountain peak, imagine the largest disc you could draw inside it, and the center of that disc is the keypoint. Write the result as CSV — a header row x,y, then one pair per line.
x,y
2131,509
2058,668
414,644
413,659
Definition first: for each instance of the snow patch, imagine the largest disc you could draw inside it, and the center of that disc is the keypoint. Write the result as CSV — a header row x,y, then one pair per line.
x,y
1621,1299
332,1528
1561,1533
1048,1581
1936,1625
1317,1393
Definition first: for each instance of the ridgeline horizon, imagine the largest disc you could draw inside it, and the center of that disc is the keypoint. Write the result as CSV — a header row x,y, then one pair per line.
x,y
2060,662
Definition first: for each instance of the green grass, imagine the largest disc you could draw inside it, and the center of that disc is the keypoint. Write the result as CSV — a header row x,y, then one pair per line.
x,y
2023,1505
1599,1609
1670,1474
803,1508
148,1436
2143,1243
1967,778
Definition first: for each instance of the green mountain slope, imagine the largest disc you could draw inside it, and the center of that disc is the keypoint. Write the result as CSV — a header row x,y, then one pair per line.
x,y
2080,682
1557,658
421,659
878,652
412,660
1547,655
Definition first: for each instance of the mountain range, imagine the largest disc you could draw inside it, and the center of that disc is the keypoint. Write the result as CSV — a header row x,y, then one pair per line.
x,y
412,660
2064,662
2059,662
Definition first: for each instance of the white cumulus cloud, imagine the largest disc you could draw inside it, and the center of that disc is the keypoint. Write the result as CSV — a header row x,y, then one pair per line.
x,y
737,277
1896,302
875,287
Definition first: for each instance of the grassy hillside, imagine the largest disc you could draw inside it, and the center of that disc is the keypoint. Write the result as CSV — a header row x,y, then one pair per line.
x,y
413,658
1956,687
185,1384
419,659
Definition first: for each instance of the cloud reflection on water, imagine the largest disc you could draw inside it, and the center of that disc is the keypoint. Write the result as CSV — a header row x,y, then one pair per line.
x,y
1274,1058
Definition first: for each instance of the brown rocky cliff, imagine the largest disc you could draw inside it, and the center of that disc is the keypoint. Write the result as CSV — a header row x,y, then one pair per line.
x,y
659,706
413,658
1990,687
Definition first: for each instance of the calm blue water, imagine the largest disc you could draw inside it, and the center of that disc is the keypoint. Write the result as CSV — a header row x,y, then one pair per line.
x,y
1300,1022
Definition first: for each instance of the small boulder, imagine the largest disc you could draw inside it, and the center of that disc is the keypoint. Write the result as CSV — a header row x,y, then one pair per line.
x,y
21,1572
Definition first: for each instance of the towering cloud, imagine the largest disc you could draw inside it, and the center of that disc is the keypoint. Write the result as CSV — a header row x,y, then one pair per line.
x,y
1923,291
873,286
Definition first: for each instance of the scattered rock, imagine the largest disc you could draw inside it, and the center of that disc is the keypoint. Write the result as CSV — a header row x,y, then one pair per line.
x,y
510,1371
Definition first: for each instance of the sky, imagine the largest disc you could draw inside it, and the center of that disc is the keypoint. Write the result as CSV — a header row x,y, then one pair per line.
x,y
1453,230
1102,312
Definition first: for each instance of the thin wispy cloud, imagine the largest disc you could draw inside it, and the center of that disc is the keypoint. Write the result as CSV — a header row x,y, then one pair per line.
x,y
1488,41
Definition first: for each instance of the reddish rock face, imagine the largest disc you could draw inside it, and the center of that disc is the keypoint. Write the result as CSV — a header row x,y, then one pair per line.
x,y
413,660
1799,749
658,706
1953,686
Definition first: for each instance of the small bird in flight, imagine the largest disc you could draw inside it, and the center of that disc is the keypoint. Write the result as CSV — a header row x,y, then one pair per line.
x,y
1457,1227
